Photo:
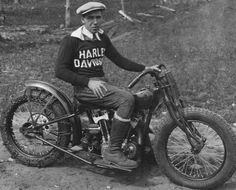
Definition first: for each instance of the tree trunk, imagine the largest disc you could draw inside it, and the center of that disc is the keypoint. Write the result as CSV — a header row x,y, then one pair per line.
x,y
67,14
123,6
1,6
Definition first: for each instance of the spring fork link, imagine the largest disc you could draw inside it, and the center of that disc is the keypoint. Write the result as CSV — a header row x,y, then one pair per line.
x,y
194,137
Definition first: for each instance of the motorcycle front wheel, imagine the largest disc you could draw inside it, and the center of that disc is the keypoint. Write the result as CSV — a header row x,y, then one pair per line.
x,y
23,114
207,169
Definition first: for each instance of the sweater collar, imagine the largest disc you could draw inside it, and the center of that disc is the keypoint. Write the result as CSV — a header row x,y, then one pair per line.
x,y
81,32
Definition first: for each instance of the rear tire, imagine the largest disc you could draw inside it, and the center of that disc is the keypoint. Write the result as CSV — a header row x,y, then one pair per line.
x,y
218,164
30,151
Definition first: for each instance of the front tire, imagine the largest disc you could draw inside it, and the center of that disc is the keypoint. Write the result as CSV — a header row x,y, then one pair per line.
x,y
212,167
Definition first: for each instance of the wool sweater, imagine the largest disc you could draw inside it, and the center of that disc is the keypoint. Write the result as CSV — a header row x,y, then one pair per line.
x,y
80,59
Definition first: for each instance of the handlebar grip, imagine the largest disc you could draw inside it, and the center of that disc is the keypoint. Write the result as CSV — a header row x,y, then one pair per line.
x,y
162,65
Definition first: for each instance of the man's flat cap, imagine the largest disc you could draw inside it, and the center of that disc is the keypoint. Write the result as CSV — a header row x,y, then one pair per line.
x,y
90,6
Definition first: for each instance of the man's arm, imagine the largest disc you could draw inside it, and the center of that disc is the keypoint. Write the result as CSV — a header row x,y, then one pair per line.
x,y
119,60
63,68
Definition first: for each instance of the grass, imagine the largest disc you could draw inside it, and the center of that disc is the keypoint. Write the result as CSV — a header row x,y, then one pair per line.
x,y
197,44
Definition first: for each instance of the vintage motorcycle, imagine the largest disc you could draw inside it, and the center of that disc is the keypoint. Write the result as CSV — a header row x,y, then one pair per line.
x,y
193,146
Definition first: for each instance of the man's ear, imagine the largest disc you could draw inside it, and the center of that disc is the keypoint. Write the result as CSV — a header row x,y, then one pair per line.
x,y
82,20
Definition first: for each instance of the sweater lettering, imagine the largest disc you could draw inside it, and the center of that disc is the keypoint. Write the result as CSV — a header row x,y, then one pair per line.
x,y
85,63
94,52
89,58
82,54
91,53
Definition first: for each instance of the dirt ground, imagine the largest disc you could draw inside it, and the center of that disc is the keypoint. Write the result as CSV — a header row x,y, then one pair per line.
x,y
71,174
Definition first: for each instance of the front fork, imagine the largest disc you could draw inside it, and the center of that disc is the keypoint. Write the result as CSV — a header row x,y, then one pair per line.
x,y
196,140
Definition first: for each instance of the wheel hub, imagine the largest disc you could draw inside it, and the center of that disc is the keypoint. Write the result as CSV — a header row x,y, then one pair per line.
x,y
28,128
39,118
198,146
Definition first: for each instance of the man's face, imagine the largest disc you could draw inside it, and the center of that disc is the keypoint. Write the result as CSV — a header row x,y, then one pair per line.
x,y
92,21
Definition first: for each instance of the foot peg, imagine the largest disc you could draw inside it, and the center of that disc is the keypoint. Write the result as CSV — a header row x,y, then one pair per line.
x,y
76,148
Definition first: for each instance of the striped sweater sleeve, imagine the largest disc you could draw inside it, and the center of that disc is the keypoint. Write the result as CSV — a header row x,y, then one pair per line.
x,y
119,60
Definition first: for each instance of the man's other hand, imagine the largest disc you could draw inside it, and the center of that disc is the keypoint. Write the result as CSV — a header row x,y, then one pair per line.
x,y
98,87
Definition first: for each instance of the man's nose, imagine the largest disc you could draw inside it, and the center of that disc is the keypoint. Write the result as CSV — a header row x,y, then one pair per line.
x,y
95,21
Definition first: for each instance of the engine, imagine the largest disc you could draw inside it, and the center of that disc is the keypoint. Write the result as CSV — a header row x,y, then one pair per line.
x,y
96,135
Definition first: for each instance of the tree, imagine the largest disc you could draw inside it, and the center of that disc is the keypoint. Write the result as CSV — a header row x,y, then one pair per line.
x,y
67,14
1,6
123,6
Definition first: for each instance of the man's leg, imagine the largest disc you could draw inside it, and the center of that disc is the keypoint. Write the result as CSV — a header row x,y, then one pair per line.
x,y
114,154
123,102
119,130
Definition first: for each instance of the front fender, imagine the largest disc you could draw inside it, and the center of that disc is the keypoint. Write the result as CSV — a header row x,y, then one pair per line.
x,y
64,100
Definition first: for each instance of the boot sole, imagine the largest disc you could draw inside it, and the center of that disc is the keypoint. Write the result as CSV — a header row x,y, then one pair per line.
x,y
117,165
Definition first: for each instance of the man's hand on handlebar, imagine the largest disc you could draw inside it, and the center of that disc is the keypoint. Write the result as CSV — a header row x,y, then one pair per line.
x,y
154,68
148,70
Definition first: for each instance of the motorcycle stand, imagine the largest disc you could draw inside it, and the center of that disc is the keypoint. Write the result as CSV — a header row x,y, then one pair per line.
x,y
92,159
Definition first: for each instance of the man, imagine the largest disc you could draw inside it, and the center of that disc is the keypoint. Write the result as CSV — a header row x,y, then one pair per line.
x,y
80,62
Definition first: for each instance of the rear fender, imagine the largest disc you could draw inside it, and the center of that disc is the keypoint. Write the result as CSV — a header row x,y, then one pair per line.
x,y
66,103
63,99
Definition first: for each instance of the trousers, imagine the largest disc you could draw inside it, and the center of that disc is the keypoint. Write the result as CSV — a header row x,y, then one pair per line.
x,y
115,98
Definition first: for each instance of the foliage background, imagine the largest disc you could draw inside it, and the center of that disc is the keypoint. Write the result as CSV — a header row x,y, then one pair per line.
x,y
197,42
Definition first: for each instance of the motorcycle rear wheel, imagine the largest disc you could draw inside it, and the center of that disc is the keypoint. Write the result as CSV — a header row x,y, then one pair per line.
x,y
19,115
208,169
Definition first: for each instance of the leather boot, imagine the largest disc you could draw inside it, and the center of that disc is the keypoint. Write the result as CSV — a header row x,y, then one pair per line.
x,y
114,154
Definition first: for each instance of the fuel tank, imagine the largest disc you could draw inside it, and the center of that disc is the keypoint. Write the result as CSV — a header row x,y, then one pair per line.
x,y
143,99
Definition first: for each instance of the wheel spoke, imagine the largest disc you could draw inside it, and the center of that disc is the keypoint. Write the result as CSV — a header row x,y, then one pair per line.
x,y
29,109
197,166
34,111
42,110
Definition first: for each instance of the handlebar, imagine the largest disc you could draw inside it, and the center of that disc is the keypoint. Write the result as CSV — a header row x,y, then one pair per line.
x,y
150,71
